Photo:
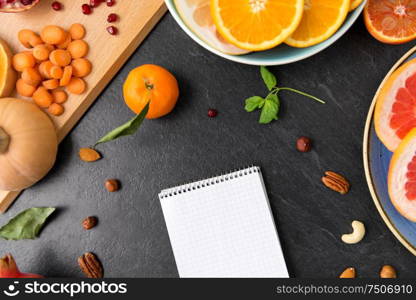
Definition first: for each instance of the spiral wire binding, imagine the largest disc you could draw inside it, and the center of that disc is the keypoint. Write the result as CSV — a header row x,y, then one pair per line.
x,y
208,182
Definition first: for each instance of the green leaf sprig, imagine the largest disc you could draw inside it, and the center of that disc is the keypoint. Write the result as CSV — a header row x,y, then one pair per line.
x,y
270,105
27,224
128,128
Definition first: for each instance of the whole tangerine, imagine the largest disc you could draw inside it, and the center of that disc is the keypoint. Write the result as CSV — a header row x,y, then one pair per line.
x,y
151,83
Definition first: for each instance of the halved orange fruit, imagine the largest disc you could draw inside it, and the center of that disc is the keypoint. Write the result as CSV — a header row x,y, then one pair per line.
x,y
402,177
391,21
321,19
355,4
7,74
196,14
256,24
395,111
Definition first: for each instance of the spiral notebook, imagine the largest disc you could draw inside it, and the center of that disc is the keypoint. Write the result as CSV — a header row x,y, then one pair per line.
x,y
223,227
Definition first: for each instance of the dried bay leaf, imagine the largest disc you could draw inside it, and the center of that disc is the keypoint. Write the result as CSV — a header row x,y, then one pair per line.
x,y
128,128
27,224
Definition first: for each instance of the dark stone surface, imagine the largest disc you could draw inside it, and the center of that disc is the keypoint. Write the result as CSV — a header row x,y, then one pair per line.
x,y
131,237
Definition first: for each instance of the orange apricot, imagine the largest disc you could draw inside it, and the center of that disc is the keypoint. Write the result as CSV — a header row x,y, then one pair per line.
x,y
60,57
31,76
42,97
24,37
53,34
78,48
77,31
59,96
51,84
50,47
24,89
35,40
65,43
28,38
23,60
41,52
56,72
76,86
81,67
66,76
56,109
45,68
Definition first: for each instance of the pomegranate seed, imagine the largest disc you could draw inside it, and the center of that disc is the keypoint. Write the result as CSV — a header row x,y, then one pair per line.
x,y
95,3
86,9
26,2
56,5
110,2
112,18
212,113
112,30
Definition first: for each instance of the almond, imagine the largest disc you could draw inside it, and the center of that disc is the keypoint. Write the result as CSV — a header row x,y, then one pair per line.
x,y
348,273
89,154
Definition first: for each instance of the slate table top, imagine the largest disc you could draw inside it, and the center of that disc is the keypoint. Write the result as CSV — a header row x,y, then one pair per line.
x,y
131,238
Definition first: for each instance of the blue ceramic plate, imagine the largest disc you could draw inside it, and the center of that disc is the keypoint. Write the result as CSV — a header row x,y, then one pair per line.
x,y
277,56
376,164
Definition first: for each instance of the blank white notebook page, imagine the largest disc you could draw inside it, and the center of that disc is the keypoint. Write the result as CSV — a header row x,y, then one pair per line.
x,y
223,227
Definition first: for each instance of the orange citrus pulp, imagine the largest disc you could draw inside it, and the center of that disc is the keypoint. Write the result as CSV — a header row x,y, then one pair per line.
x,y
391,21
256,24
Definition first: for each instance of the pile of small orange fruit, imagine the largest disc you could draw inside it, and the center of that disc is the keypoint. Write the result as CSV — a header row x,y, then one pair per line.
x,y
55,65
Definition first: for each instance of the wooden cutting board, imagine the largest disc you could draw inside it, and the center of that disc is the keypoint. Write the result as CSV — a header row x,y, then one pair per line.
x,y
107,53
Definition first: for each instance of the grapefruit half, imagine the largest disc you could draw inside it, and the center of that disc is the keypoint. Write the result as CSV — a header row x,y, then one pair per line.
x,y
395,112
402,177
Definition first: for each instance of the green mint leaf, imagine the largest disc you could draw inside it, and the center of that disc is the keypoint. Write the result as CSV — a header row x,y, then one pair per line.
x,y
128,128
27,224
254,102
270,109
268,78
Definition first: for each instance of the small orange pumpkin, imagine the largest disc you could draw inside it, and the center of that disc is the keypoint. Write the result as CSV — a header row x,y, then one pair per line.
x,y
28,144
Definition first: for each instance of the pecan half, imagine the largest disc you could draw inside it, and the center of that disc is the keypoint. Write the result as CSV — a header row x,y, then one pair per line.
x,y
90,265
336,182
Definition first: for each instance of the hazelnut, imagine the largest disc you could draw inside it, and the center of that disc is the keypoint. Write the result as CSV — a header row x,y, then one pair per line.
x,y
89,223
304,144
388,271
112,185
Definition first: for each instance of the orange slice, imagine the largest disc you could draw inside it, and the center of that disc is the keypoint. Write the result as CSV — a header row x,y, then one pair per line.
x,y
402,177
395,112
321,19
256,24
354,4
196,14
391,21
7,73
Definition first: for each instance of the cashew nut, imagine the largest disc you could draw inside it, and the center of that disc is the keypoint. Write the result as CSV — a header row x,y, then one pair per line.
x,y
357,234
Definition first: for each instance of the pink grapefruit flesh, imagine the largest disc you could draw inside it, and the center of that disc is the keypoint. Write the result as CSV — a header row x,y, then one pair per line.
x,y
395,112
402,177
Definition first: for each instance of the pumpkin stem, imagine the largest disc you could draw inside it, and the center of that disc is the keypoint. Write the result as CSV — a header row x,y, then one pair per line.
x,y
4,141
